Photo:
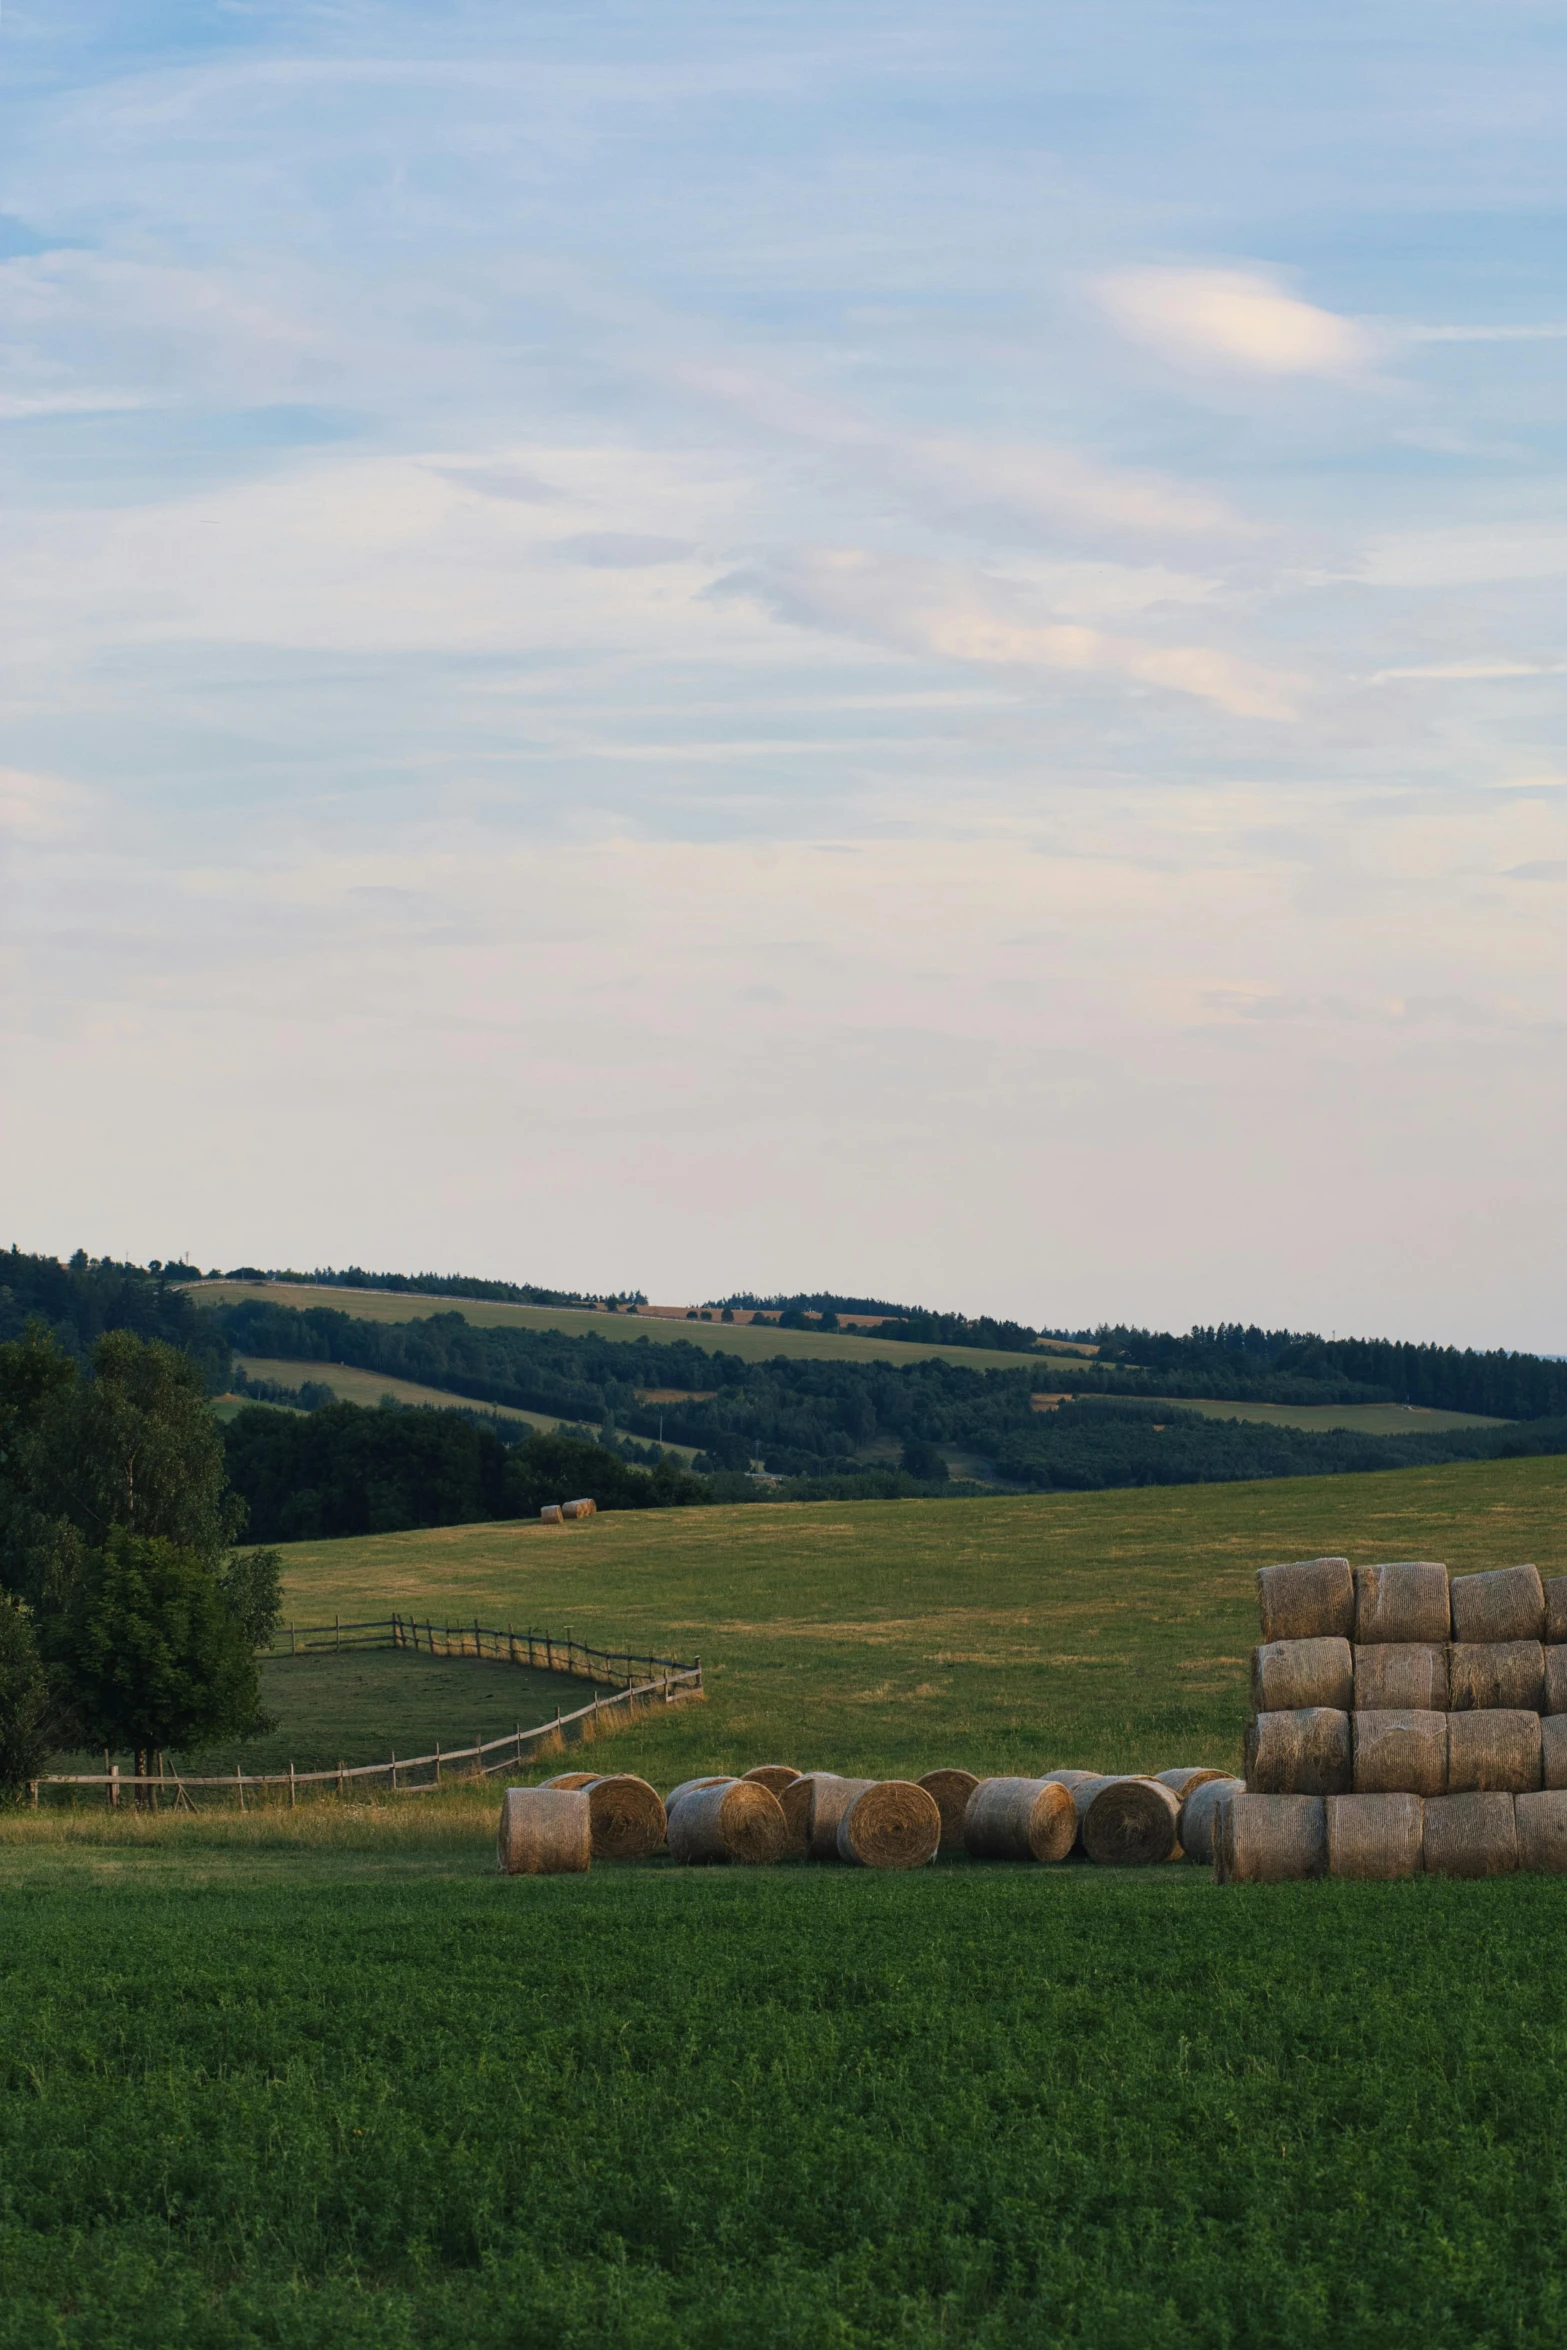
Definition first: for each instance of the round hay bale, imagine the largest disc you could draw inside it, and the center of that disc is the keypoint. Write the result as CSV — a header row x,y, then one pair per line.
x,y
893,1825
1541,1823
1132,1824
1199,1817
1311,1599
1553,1751
1507,1603
1495,1753
1069,1778
544,1832
1555,1588
550,1513
1181,1782
1270,1839
689,1787
1472,1835
1400,1753
1555,1680
951,1791
830,1799
732,1820
1287,1675
797,1799
1302,1753
1405,1601
1376,1836
1400,1677
571,1779
1489,1673
775,1777
627,1815
1021,1819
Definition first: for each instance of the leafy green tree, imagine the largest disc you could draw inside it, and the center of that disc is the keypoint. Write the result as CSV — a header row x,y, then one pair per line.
x,y
32,1715
922,1459
252,1585
156,1656
136,1447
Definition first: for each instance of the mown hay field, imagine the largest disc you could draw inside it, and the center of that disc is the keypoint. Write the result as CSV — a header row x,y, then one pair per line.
x,y
324,2079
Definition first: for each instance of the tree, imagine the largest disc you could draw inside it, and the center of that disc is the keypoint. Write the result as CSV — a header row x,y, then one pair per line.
x,y
922,1459
31,1712
136,1446
156,1656
252,1586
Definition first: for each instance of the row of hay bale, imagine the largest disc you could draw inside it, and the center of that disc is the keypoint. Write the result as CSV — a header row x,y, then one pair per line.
x,y
566,1513
774,1813
1390,1687
1271,1839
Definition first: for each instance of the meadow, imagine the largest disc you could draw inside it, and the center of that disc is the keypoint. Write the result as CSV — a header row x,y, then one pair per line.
x,y
325,2080
1371,1419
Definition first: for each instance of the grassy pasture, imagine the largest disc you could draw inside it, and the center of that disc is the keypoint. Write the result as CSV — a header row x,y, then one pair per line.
x,y
752,1343
368,1387
1371,1419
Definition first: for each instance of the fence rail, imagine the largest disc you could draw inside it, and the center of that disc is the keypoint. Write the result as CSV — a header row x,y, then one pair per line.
x,y
665,1681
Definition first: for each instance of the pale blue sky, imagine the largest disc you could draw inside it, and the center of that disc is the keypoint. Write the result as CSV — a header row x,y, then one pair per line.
x,y
910,648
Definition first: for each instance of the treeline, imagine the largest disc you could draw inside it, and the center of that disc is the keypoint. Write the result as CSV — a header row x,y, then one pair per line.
x,y
343,1470
79,1302
915,1324
1281,1366
517,1293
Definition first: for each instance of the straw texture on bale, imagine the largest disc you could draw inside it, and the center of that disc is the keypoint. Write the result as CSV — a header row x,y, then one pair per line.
x,y
1376,1836
1401,1676
550,1513
579,1509
1505,1603
1181,1782
775,1777
951,1791
1070,1778
1020,1819
1400,1753
627,1815
830,1799
797,1799
1555,1588
894,1824
1553,1751
1132,1823
1199,1820
1311,1599
1289,1674
544,1832
1541,1823
1488,1673
688,1787
1270,1839
570,1779
1471,1836
1493,1753
733,1820
1405,1601
1555,1681
1302,1753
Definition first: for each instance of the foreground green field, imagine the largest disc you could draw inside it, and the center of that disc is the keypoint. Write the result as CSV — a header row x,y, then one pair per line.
x,y
1015,1633
754,1344
319,2099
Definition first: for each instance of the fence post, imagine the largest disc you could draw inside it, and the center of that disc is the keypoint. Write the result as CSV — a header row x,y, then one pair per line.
x,y
239,1781
394,1770
292,1796
340,1774
114,1786
293,1641
337,1636
699,1672
437,1762
32,1789
549,1654
477,1650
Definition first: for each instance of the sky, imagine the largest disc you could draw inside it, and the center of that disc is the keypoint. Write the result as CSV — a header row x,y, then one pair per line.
x,y
700,647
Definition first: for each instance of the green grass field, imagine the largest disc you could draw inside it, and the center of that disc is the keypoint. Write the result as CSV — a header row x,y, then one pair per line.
x,y
368,1387
323,2079
751,1343
1371,1419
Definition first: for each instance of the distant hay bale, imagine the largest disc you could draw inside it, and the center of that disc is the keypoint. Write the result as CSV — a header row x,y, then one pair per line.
x,y
1310,1599
1495,1752
1304,1752
1405,1601
1556,1607
1289,1674
1484,1674
1553,1751
797,1799
579,1509
1541,1823
893,1825
628,1817
1401,1676
1555,1681
1505,1603
1376,1836
830,1799
1132,1824
951,1791
544,1832
775,1777
1020,1819
550,1513
1473,1835
571,1779
1181,1782
732,1820
1270,1839
1400,1752
1199,1816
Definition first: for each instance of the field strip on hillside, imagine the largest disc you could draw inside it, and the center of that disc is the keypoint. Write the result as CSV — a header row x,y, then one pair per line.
x,y
366,1388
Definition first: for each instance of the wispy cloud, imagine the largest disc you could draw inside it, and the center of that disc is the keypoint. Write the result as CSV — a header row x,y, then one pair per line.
x,y
1233,318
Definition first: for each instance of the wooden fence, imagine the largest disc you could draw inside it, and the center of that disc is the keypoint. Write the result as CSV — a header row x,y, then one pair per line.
x,y
665,1682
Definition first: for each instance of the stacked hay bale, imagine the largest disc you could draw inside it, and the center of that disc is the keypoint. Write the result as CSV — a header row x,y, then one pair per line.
x,y
1403,1719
